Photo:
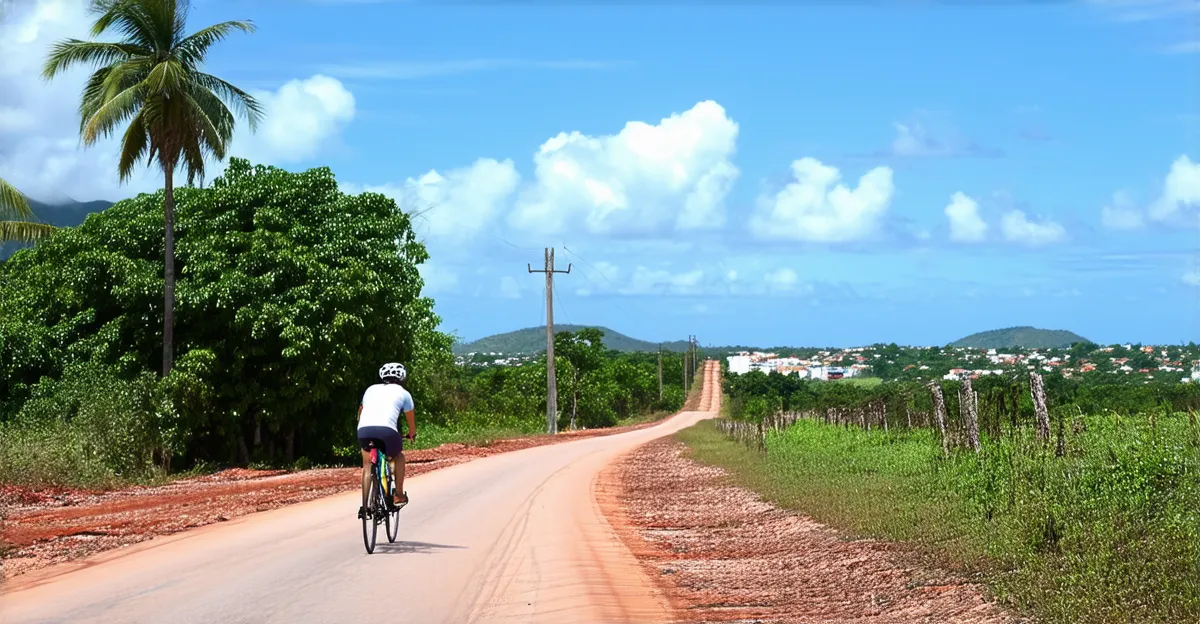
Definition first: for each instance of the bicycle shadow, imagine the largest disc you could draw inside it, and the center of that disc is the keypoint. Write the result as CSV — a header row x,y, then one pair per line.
x,y
412,548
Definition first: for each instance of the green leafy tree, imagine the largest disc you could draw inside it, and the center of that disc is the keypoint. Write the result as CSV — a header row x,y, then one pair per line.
x,y
584,351
16,219
291,294
151,79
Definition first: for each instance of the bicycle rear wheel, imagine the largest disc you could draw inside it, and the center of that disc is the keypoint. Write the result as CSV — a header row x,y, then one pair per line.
x,y
371,494
393,525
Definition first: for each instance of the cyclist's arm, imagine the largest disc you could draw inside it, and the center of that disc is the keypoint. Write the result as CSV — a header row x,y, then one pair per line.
x,y
411,417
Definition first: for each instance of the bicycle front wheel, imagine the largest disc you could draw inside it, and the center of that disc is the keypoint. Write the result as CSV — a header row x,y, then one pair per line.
x,y
370,525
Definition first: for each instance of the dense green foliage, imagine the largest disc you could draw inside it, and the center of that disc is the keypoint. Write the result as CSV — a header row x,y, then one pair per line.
x,y
601,386
533,340
62,214
1023,337
290,294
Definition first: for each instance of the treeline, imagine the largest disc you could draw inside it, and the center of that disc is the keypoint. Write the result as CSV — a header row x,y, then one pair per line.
x,y
1001,400
290,293
597,387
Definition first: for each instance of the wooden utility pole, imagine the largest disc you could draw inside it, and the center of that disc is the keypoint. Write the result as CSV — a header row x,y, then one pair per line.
x,y
551,379
660,388
685,383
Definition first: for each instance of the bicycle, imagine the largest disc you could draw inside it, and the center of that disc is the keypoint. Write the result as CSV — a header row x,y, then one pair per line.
x,y
378,505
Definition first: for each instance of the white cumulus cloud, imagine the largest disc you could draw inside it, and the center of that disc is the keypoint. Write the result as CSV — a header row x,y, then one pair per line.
x,y
456,205
1122,213
644,179
1018,228
817,207
647,281
966,226
300,118
1192,278
1180,200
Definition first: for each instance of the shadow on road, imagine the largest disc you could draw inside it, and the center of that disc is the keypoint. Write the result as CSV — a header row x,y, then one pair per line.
x,y
411,548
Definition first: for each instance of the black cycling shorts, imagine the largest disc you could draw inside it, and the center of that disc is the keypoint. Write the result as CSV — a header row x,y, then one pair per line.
x,y
392,442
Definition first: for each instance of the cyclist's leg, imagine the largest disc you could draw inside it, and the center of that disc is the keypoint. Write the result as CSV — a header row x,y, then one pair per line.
x,y
394,444
365,436
398,470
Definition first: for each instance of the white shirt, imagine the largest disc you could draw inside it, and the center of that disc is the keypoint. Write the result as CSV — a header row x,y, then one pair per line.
x,y
382,405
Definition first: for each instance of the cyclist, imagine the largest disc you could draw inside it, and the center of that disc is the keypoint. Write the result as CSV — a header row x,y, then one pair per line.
x,y
379,419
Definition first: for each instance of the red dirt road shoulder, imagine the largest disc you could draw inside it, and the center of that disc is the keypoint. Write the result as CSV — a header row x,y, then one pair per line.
x,y
42,528
721,554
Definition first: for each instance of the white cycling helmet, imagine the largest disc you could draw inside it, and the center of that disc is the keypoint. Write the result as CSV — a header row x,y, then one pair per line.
x,y
393,370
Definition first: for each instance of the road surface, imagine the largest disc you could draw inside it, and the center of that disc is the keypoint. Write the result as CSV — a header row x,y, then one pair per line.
x,y
516,537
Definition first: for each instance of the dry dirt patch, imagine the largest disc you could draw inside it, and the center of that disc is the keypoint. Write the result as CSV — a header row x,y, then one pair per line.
x,y
721,554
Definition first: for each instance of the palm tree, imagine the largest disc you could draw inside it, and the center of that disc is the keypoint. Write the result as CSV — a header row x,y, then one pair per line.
x,y
177,115
15,218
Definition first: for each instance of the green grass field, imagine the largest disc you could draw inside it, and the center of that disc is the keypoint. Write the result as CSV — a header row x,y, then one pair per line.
x,y
1109,533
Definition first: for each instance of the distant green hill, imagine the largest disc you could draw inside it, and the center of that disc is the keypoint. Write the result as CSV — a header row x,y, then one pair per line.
x,y
62,214
1024,337
533,339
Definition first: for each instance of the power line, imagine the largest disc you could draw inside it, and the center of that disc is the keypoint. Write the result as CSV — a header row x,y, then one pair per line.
x,y
558,299
620,307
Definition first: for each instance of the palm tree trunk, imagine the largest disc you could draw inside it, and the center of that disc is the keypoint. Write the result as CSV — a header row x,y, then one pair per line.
x,y
169,271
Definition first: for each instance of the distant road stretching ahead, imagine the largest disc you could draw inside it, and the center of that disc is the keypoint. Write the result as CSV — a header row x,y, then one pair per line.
x,y
514,537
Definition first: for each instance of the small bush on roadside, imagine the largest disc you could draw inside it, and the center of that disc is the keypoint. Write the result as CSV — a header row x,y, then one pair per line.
x,y
95,427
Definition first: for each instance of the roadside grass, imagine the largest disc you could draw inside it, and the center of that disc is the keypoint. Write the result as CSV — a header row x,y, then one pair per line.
x,y
1108,533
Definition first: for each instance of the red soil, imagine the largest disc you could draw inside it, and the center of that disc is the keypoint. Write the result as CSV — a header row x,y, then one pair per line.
x,y
722,554
45,527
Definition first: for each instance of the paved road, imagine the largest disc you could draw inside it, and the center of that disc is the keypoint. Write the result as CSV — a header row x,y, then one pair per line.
x,y
516,537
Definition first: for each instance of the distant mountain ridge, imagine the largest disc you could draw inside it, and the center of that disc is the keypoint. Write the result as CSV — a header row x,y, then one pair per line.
x,y
1025,337
67,213
533,340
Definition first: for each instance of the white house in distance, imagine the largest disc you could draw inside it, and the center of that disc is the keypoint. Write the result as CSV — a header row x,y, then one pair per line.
x,y
745,362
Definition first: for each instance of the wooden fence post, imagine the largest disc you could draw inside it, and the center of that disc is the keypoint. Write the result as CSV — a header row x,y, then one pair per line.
x,y
1038,390
969,407
939,413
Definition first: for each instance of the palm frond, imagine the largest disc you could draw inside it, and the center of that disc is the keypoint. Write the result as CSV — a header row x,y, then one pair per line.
x,y
215,111
167,17
135,145
13,203
242,102
113,112
167,77
193,162
24,231
128,17
193,49
66,54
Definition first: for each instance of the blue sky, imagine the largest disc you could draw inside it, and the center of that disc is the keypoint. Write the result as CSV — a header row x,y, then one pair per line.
x,y
1005,164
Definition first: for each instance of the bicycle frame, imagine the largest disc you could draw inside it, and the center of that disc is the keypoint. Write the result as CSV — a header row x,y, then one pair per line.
x,y
382,470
